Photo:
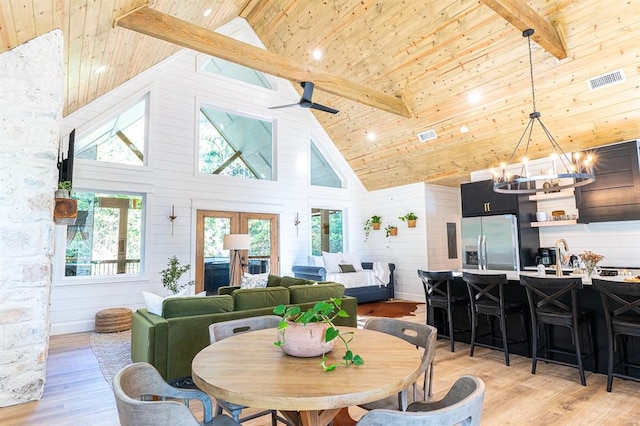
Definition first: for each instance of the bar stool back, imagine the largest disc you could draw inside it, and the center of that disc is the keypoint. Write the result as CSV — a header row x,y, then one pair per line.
x,y
486,292
554,302
621,303
437,292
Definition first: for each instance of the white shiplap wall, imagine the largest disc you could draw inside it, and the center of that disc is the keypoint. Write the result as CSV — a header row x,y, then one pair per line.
x,y
408,249
170,178
442,207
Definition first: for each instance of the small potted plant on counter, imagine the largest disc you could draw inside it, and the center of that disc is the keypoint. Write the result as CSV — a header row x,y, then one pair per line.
x,y
312,332
410,218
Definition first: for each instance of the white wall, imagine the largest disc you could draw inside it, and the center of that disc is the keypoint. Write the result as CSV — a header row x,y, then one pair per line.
x,y
408,249
30,117
170,178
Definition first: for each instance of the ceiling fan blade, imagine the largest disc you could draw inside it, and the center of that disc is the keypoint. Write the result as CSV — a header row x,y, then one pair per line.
x,y
324,108
284,106
308,90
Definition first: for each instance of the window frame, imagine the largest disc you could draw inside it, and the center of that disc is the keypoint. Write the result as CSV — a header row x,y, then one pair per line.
x,y
59,258
110,114
202,103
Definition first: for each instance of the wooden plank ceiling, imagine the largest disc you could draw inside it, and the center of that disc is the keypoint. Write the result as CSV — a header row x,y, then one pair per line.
x,y
431,54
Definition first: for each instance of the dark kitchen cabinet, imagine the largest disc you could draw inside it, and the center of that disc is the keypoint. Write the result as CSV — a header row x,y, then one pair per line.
x,y
479,199
615,194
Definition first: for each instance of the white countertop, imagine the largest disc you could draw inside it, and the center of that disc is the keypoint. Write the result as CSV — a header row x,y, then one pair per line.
x,y
515,275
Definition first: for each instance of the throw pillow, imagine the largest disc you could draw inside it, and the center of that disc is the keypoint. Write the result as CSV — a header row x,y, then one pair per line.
x,y
331,261
346,268
352,259
154,302
254,281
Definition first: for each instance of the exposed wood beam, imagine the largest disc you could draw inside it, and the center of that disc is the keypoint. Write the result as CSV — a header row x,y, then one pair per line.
x,y
520,15
173,30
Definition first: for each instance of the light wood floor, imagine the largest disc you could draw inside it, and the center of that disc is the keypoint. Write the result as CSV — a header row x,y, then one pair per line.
x,y
77,394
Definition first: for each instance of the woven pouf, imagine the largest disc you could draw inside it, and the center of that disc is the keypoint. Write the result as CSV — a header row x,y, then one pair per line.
x,y
112,320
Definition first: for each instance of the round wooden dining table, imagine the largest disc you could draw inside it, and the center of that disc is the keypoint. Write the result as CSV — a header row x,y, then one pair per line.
x,y
248,369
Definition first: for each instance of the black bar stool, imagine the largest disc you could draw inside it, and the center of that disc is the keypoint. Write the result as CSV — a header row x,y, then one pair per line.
x,y
621,303
437,292
554,301
487,298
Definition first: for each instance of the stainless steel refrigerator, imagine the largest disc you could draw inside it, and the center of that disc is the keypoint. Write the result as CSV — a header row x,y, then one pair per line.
x,y
490,242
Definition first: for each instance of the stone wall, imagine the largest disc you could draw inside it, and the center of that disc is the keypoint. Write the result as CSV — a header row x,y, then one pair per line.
x,y
31,97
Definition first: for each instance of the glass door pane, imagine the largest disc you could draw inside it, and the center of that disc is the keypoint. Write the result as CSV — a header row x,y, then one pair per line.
x,y
216,260
259,246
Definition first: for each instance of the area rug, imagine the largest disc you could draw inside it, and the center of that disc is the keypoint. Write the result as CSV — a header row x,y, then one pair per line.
x,y
112,350
389,309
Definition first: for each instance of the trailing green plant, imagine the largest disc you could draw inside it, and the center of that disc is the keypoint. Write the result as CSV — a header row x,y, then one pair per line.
x,y
388,229
65,185
321,312
408,216
172,274
369,224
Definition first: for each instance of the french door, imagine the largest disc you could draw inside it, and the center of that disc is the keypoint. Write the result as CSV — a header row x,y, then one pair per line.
x,y
213,262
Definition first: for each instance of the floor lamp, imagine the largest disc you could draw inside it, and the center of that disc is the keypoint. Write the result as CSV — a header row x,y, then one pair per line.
x,y
235,243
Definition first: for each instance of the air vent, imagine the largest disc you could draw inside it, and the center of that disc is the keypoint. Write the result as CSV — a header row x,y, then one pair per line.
x,y
606,80
427,135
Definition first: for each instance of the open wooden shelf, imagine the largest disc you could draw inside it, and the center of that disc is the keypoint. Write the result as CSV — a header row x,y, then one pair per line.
x,y
554,223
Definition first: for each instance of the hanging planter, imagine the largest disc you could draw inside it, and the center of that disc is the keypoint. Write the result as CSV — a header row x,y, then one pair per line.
x,y
65,211
392,231
410,218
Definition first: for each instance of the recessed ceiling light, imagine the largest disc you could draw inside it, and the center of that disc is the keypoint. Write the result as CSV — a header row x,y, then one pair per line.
x,y
464,129
317,54
371,136
208,12
474,97
100,69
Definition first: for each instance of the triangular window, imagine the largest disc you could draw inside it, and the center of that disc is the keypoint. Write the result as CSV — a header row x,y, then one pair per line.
x,y
120,140
233,145
235,71
322,174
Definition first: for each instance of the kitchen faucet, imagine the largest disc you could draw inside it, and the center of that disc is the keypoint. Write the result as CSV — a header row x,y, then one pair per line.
x,y
559,256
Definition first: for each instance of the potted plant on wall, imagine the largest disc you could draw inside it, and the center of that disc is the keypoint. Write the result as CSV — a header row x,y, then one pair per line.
x,y
410,218
312,332
171,275
65,211
391,230
372,223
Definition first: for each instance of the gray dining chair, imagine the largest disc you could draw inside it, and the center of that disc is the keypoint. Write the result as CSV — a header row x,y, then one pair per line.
x,y
420,335
136,385
461,406
222,330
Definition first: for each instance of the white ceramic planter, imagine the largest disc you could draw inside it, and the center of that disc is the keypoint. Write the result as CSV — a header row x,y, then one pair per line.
x,y
305,340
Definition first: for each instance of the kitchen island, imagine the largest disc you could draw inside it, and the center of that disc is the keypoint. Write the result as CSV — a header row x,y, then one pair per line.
x,y
588,298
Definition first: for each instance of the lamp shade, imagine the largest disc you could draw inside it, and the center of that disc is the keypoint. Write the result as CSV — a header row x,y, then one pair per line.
x,y
236,242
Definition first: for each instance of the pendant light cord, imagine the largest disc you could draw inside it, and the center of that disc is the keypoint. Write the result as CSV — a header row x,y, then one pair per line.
x,y
533,92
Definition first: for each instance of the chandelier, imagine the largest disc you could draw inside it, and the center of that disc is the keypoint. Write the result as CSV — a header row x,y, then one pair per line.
x,y
564,171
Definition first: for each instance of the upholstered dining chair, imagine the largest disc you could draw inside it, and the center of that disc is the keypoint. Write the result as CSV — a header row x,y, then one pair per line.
x,y
461,406
420,335
136,384
225,329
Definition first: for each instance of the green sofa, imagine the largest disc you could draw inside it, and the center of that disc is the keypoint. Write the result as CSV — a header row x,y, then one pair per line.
x,y
171,341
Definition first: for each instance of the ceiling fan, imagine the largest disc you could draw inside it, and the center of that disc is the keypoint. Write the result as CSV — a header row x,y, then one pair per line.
x,y
305,100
